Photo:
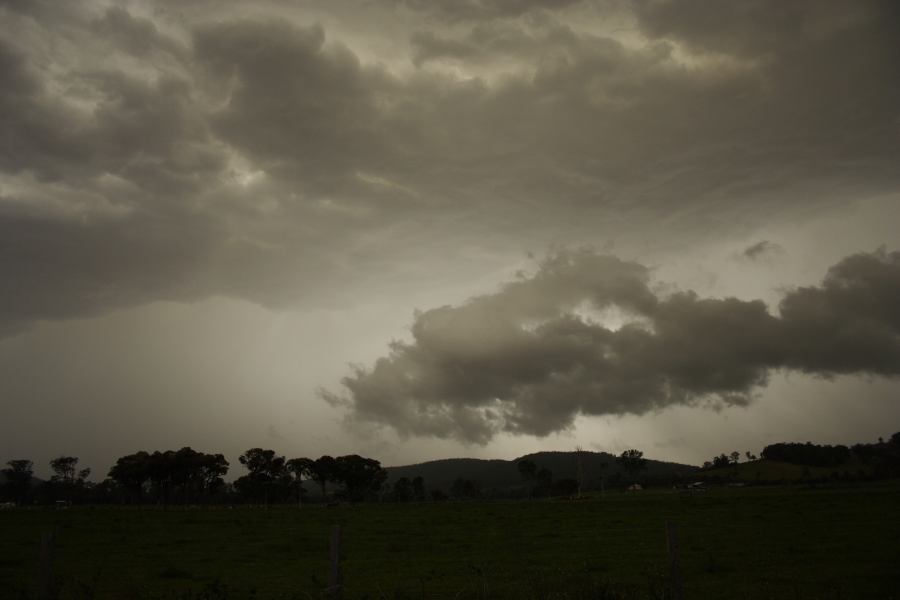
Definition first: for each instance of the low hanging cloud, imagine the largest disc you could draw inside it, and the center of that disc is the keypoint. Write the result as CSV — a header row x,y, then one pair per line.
x,y
588,334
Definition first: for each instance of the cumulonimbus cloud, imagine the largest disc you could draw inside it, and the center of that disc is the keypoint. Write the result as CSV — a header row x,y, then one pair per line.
x,y
587,334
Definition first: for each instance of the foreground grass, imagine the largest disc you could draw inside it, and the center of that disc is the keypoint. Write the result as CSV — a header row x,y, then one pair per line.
x,y
735,543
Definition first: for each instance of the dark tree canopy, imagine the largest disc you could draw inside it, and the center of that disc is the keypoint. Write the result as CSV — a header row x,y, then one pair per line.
x,y
132,472
632,461
808,454
362,477
321,470
268,474
186,475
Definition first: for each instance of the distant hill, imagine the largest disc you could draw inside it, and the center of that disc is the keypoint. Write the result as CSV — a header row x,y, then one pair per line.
x,y
503,475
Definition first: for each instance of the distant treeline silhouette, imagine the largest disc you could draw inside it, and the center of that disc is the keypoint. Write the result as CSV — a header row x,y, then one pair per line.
x,y
187,476
191,477
883,457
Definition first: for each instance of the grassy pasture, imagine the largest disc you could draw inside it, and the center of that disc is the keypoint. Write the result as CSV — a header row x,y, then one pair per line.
x,y
841,542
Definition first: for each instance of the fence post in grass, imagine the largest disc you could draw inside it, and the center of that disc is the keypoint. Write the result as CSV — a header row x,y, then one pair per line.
x,y
48,590
675,585
335,582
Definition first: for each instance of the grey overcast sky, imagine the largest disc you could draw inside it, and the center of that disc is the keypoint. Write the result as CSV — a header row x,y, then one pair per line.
x,y
417,229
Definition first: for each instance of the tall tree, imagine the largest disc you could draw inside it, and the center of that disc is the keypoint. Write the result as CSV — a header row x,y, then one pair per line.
x,y
267,472
64,469
322,470
210,470
361,476
632,461
67,482
160,467
299,468
720,461
132,472
196,473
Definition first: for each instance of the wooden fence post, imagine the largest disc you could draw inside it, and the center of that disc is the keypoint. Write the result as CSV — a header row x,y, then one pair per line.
x,y
335,589
675,583
48,589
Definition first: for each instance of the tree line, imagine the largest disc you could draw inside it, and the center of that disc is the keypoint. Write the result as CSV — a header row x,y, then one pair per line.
x,y
190,477
187,476
883,456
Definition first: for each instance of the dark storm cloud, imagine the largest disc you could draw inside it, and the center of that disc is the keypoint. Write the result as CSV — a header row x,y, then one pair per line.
x,y
33,131
135,35
281,162
54,270
493,41
761,250
96,212
302,110
454,10
533,356
760,27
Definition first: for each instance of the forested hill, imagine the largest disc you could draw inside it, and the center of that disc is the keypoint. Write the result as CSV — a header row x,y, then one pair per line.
x,y
504,475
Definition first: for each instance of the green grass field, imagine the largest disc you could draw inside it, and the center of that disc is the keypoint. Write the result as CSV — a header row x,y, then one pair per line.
x,y
841,542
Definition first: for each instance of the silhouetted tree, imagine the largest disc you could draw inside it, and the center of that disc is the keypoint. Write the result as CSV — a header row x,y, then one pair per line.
x,y
807,454
633,462
734,457
267,473
64,469
188,472
67,482
18,479
159,469
132,472
362,477
299,468
720,461
883,457
195,473
322,470
210,471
